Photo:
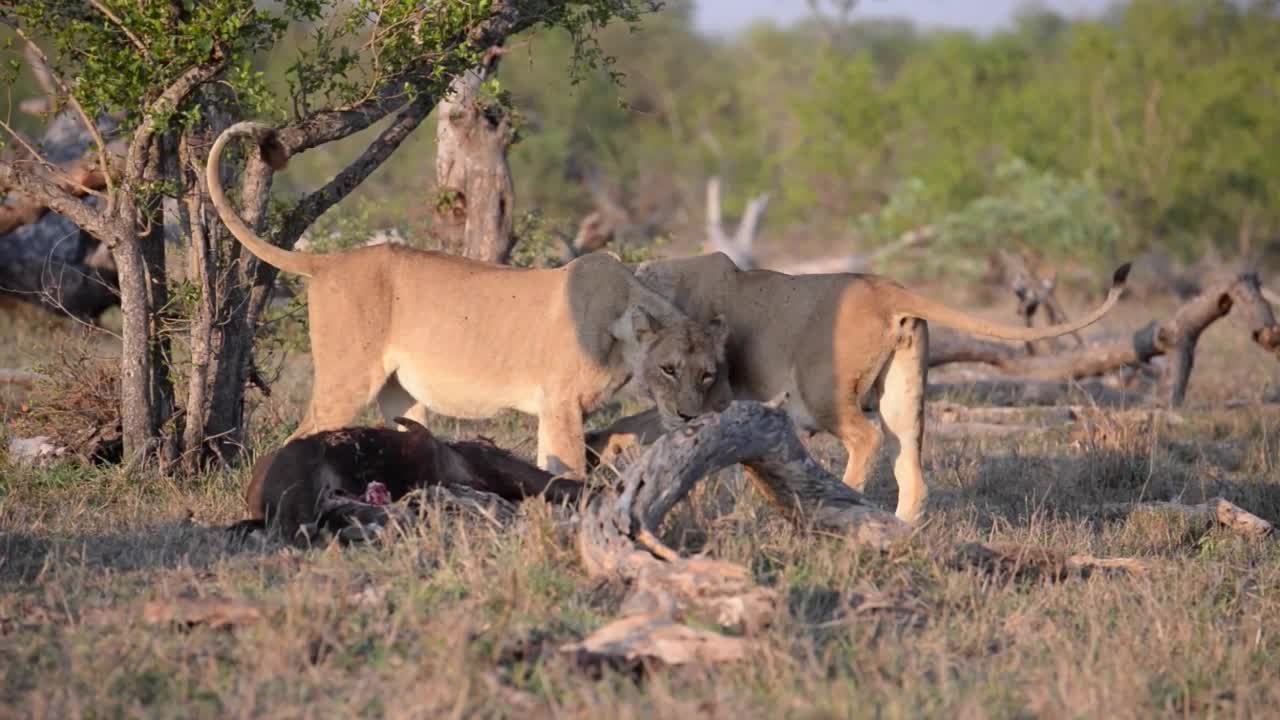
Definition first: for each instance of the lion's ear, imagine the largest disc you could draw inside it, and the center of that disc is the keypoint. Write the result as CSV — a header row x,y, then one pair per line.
x,y
635,325
719,329
643,326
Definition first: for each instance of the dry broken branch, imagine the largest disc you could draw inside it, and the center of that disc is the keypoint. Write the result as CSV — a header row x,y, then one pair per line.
x,y
617,534
740,246
1176,337
1026,562
1216,511
216,614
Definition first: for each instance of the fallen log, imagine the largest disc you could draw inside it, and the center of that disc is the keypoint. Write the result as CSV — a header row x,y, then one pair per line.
x,y
617,535
1026,562
1216,511
1175,337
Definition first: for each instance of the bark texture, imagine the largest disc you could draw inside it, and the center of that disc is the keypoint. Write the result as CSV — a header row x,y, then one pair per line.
x,y
475,205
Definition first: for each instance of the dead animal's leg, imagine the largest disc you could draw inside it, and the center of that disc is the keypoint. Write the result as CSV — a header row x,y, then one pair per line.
x,y
902,410
350,519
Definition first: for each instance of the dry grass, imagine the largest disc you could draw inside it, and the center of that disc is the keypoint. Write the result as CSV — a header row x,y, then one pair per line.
x,y
463,620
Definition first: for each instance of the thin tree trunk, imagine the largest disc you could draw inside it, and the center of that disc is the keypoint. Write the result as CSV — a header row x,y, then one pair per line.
x,y
247,287
151,219
135,358
202,271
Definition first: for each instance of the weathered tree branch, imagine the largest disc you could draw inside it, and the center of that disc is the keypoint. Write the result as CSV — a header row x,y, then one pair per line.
x,y
739,247
315,204
1213,512
50,194
667,588
1175,337
506,18
758,435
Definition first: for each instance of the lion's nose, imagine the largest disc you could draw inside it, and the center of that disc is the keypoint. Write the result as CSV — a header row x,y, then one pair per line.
x,y
685,417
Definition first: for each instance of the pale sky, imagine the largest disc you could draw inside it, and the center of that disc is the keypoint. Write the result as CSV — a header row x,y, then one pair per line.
x,y
730,15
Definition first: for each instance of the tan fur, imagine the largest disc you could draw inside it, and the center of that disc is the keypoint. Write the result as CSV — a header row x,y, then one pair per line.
x,y
838,344
414,329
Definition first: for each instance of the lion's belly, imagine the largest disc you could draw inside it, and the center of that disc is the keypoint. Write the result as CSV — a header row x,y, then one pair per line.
x,y
443,393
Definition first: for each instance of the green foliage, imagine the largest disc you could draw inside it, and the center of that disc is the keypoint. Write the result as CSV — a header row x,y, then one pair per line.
x,y
1159,124
125,54
1041,212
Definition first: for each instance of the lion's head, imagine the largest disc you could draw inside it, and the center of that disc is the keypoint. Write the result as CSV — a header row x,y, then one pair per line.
x,y
680,363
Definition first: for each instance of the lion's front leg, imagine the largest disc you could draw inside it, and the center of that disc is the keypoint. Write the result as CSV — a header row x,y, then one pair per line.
x,y
561,442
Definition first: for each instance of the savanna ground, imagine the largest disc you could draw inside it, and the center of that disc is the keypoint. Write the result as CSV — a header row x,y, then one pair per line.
x,y
461,619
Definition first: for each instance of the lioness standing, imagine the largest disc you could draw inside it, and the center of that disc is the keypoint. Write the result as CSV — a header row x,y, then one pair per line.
x,y
469,339
837,344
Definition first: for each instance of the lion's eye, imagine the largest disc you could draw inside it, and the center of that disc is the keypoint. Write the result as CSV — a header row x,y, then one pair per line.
x,y
669,370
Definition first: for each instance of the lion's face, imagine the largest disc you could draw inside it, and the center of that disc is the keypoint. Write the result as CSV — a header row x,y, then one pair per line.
x,y
681,364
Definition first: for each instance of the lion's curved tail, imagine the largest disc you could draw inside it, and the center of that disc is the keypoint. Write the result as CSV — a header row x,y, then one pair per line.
x,y
273,152
909,304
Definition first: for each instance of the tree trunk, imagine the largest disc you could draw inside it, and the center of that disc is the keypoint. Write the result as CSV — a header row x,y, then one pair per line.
x,y
146,385
474,210
248,283
135,354
220,340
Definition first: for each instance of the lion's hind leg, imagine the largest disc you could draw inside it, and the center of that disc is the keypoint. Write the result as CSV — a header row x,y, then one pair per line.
x,y
902,411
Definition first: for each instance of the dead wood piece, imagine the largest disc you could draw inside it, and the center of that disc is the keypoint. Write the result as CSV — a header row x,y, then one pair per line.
x,y
666,588
474,213
189,612
656,636
953,418
1216,511
709,590
18,377
969,429
1015,392
1013,561
740,245
34,451
761,437
1175,337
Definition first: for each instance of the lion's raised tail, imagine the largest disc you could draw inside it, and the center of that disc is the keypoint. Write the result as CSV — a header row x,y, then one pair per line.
x,y
910,304
269,145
